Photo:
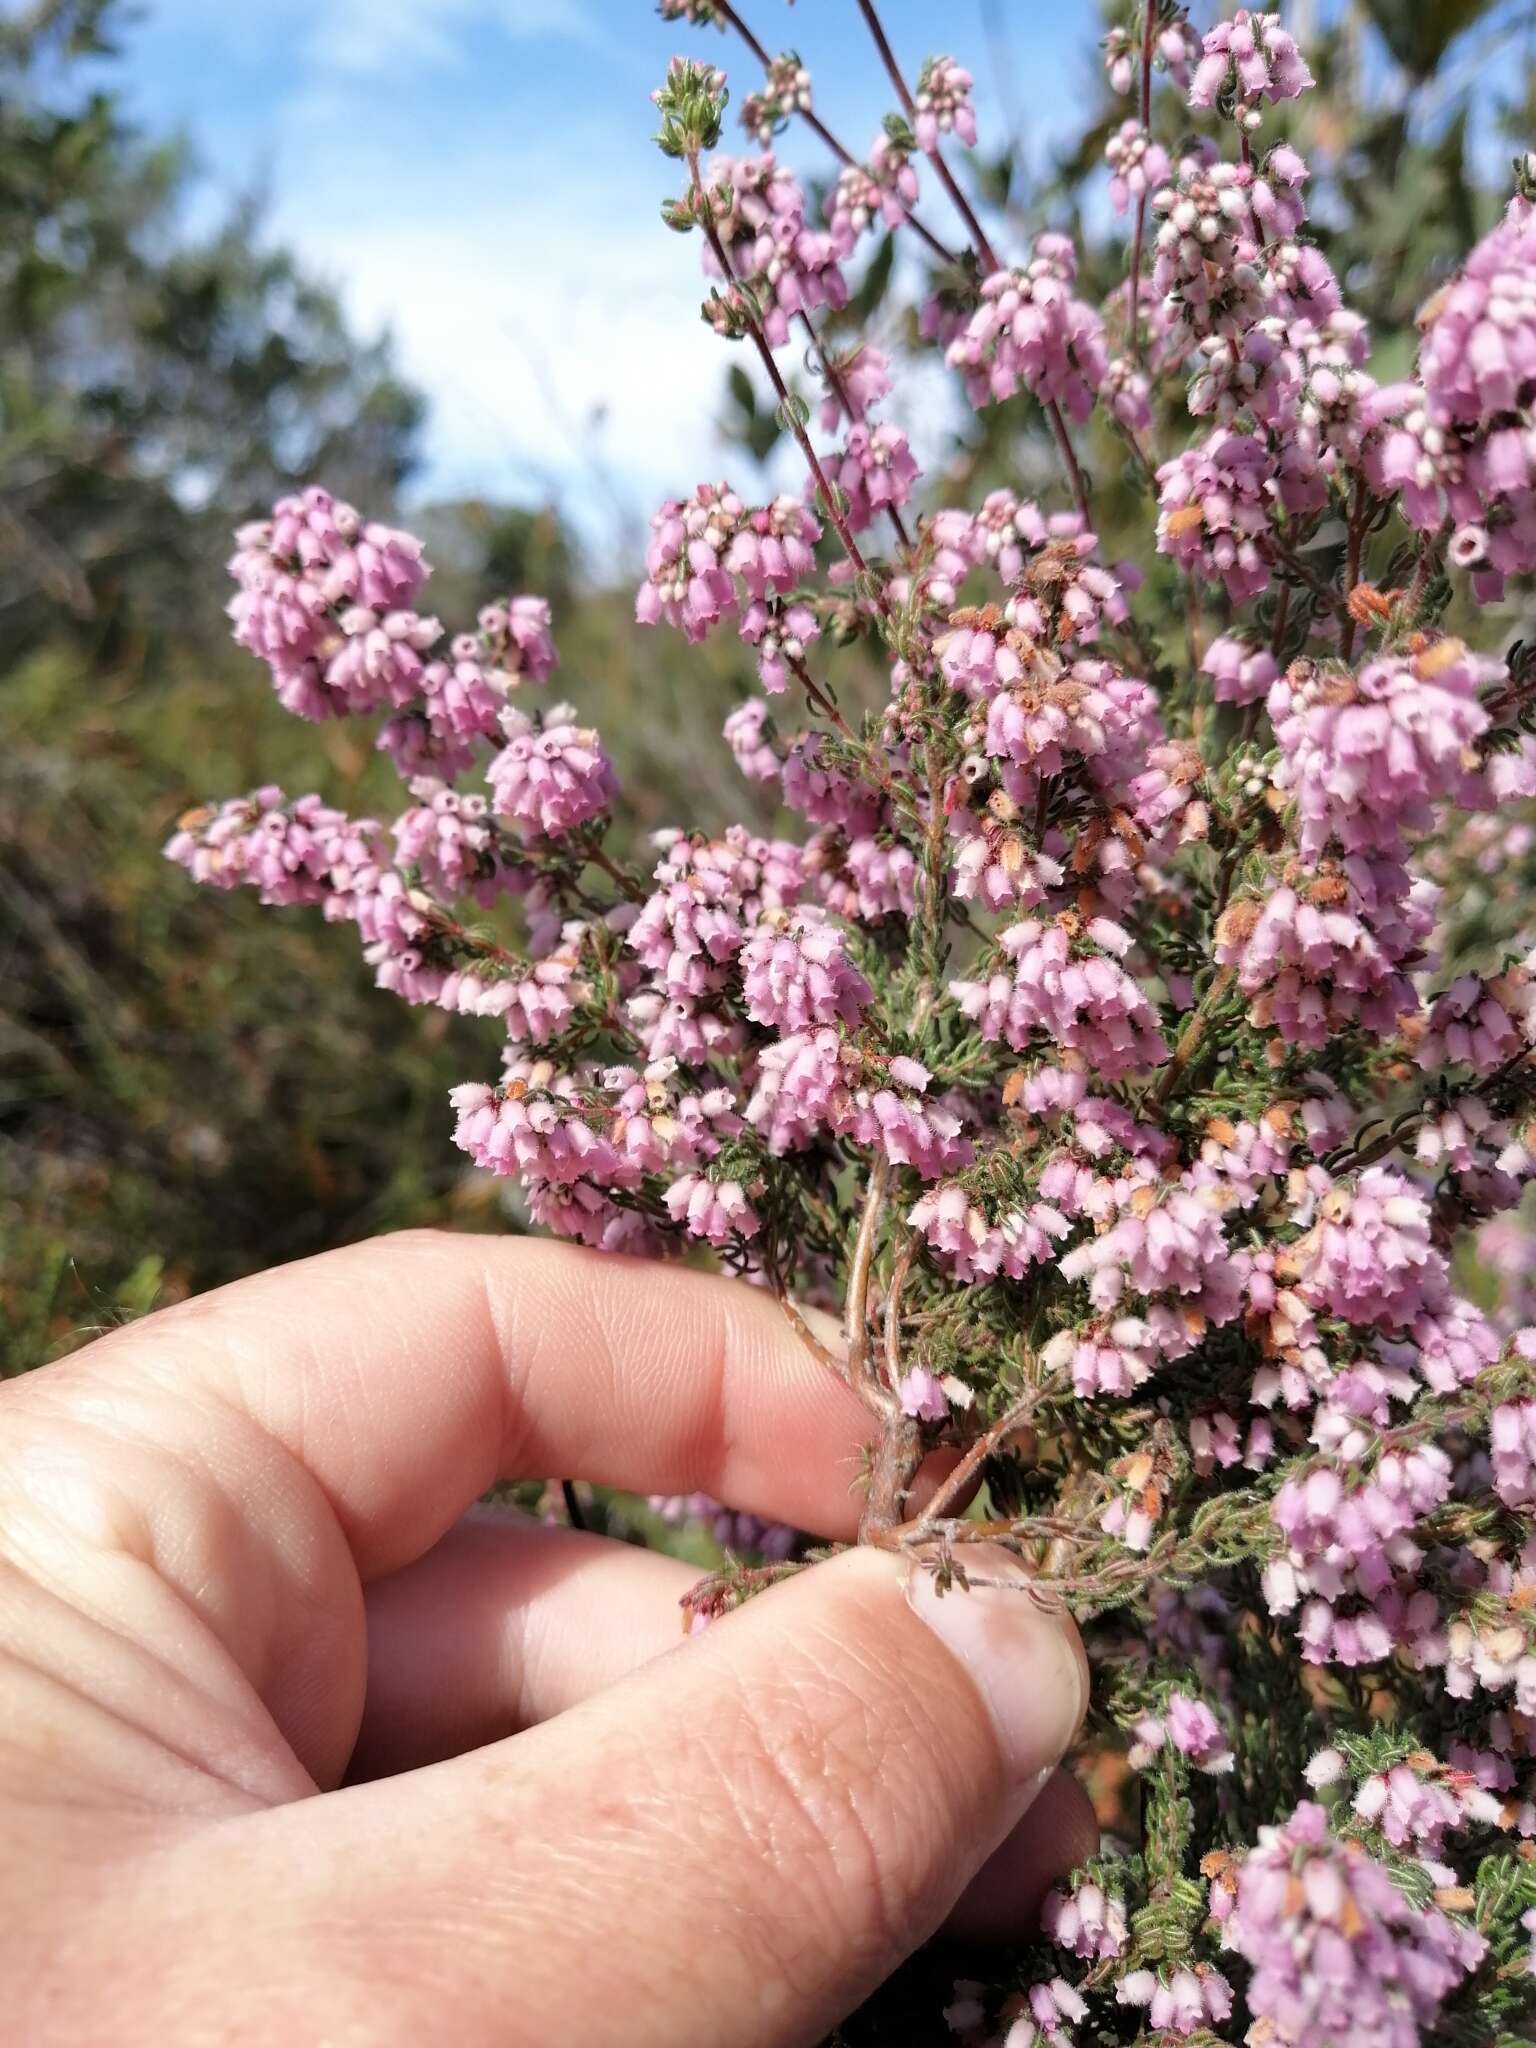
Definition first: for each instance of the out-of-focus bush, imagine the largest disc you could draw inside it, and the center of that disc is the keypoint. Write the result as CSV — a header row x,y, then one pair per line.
x,y
176,1107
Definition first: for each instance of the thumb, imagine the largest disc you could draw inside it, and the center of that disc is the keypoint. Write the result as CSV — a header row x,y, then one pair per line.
x,y
740,1840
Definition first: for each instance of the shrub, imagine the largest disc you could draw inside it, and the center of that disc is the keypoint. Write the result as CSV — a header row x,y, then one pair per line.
x,y
1094,1050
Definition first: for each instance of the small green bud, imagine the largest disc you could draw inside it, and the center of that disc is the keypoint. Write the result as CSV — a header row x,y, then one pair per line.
x,y
691,102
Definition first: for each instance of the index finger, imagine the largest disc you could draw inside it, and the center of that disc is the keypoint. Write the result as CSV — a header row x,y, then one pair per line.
x,y
409,1374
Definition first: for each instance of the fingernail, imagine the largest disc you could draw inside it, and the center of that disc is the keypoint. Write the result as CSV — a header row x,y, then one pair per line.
x,y
1026,1664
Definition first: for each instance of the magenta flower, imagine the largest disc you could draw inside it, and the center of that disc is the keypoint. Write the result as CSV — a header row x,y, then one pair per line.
x,y
875,469
1369,756
943,101
1248,59
1136,162
715,1210
552,778
1214,511
1069,987
1370,1259
743,732
1479,349
1088,1921
1031,330
1340,1958
796,973
922,1396
1242,674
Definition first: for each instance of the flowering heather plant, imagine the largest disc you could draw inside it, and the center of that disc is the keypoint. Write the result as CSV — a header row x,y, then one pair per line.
x,y
1096,1049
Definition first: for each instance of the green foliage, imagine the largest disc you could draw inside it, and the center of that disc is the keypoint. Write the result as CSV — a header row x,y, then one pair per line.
x,y
154,387
161,1130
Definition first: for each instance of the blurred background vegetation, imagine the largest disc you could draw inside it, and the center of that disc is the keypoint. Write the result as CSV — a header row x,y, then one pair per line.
x,y
192,1087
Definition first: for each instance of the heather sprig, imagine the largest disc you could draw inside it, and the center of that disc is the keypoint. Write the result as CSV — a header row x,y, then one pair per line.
x,y
1104,1047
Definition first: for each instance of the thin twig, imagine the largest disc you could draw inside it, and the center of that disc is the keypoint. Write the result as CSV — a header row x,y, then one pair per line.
x,y
1141,198
1144,461
1277,638
819,127
628,884
760,341
1411,1122
1069,462
1352,567
820,701
1008,1424
809,1338
893,1294
1194,1031
1430,548
1289,560
962,205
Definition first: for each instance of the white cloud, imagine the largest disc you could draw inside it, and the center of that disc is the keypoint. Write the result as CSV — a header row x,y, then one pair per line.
x,y
560,345
514,251
369,37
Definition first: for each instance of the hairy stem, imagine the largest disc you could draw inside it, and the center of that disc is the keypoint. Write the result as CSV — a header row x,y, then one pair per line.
x,y
808,1336
1192,1036
898,1455
893,1295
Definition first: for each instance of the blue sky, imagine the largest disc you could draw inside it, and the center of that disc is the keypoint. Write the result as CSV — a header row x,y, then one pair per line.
x,y
477,176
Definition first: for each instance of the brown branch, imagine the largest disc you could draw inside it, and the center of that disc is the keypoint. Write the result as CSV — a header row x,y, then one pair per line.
x,y
893,1294
1352,567
620,877
898,1455
808,1336
1286,558
1193,1033
1143,460
991,1440
1430,549
1069,462
1411,1122
1277,638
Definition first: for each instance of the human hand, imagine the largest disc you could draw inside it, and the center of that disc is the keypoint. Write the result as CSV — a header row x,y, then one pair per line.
x,y
258,1673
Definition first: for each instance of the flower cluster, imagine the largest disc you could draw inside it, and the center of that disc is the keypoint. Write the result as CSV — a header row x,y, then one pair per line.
x,y
1246,60
761,244
1032,329
1124,1026
1338,1953
713,558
